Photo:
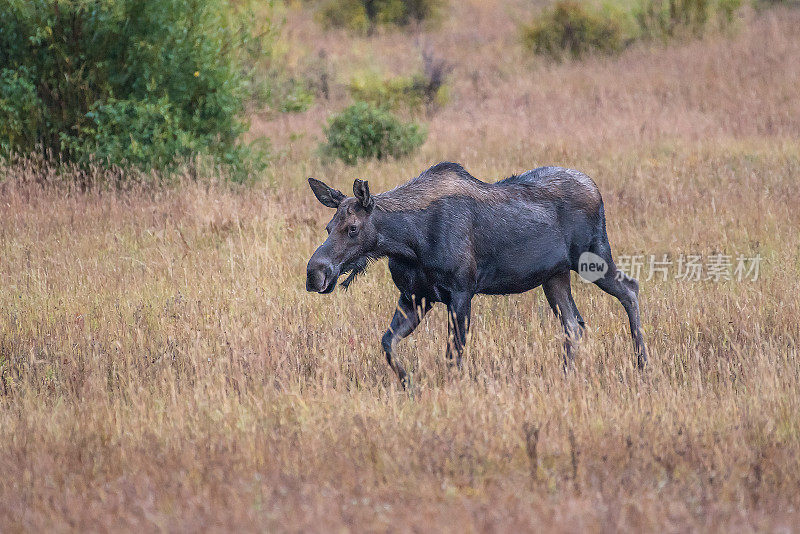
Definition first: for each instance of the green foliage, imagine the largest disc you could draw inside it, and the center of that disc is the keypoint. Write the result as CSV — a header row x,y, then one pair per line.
x,y
20,116
426,88
148,83
348,14
363,16
571,28
404,12
364,131
760,4
292,96
411,93
400,92
667,19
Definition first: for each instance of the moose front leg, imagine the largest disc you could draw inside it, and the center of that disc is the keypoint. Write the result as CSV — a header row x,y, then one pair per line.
x,y
458,319
406,318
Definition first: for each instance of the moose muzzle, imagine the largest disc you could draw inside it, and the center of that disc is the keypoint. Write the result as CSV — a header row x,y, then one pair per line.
x,y
320,276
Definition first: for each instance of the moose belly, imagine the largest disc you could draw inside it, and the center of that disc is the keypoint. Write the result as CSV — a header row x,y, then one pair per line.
x,y
516,267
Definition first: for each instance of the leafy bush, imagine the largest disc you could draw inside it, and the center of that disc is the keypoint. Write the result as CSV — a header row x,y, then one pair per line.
x,y
364,131
666,19
147,83
570,28
20,116
363,16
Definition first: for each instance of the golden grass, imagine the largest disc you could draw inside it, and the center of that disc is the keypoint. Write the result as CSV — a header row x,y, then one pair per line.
x,y
163,367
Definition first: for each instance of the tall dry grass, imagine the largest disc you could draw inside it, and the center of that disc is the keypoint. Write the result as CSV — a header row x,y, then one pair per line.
x,y
163,367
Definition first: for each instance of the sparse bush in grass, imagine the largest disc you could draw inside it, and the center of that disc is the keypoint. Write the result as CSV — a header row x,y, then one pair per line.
x,y
426,89
571,29
667,19
363,16
404,12
292,96
348,14
399,92
318,74
364,131
144,83
435,71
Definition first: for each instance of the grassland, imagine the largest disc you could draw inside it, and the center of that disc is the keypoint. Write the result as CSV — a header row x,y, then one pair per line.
x,y
163,367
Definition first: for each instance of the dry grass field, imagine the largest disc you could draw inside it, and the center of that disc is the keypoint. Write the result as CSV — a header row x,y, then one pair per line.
x,y
163,367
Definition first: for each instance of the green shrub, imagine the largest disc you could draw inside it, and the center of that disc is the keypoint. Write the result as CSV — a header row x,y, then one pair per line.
x,y
411,93
404,12
363,16
427,88
667,19
570,28
148,83
348,14
364,131
400,92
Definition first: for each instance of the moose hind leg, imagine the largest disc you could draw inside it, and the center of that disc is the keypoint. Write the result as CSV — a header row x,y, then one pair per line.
x,y
578,317
626,290
406,318
559,296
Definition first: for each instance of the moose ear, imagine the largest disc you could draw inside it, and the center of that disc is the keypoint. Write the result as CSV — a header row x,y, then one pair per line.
x,y
361,191
327,195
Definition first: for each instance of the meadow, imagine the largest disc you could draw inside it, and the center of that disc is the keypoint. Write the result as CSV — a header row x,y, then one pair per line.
x,y
164,369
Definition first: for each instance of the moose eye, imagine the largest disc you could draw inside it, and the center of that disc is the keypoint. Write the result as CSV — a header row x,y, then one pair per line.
x,y
352,231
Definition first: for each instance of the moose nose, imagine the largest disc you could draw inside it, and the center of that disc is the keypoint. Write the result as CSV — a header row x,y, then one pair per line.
x,y
318,275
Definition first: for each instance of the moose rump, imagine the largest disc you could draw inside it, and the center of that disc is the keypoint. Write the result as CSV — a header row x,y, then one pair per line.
x,y
449,236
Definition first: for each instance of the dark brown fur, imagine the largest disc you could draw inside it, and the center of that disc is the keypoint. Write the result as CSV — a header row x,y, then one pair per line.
x,y
444,181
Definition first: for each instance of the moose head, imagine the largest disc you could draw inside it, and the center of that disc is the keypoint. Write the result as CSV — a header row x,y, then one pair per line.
x,y
352,237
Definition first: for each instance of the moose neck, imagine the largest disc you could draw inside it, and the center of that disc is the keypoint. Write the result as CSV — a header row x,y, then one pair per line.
x,y
399,234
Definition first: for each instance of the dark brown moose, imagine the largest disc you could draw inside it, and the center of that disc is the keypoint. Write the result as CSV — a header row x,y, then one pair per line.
x,y
449,236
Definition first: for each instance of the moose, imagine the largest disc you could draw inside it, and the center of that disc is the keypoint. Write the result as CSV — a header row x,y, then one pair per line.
x,y
449,236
